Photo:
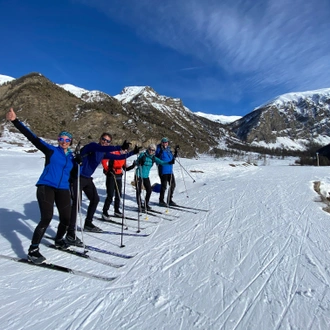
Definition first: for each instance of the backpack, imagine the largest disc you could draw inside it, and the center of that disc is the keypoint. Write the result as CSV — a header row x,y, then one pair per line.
x,y
142,160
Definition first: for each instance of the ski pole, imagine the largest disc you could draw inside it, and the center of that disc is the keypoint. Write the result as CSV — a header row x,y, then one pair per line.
x,y
138,194
118,194
184,182
170,193
78,209
185,169
123,213
78,199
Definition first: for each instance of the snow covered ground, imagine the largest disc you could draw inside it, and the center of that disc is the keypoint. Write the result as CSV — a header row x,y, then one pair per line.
x,y
258,259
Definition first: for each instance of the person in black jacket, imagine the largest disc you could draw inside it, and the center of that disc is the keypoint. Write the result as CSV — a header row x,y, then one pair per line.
x,y
52,186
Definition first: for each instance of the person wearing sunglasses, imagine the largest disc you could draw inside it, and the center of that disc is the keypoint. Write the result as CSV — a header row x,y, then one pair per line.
x,y
52,186
145,161
165,172
91,156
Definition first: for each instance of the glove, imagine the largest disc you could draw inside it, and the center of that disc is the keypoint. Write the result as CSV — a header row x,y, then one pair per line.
x,y
125,145
131,167
136,150
78,158
177,147
171,162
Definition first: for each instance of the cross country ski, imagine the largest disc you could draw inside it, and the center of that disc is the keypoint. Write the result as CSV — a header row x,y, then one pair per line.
x,y
59,268
96,249
115,254
86,256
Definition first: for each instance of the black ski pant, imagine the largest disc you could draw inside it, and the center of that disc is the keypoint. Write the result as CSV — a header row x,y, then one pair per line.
x,y
114,185
147,187
88,187
164,179
47,196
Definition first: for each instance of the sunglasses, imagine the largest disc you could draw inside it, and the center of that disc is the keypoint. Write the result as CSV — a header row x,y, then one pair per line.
x,y
105,140
63,140
152,149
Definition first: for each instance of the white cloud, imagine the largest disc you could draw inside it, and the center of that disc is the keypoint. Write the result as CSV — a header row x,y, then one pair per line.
x,y
259,43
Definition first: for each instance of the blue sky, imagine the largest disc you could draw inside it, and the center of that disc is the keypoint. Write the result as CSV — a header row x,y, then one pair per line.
x,y
219,57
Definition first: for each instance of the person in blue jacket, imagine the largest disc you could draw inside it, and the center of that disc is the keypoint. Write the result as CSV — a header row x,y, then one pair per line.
x,y
165,172
90,157
144,163
52,186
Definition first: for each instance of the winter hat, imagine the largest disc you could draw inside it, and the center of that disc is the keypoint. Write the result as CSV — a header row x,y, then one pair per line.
x,y
65,133
164,139
152,146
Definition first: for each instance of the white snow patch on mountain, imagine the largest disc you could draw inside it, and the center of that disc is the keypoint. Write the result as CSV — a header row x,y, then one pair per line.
x,y
218,118
4,79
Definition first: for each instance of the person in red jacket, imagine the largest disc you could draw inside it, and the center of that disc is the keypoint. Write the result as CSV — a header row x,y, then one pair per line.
x,y
113,169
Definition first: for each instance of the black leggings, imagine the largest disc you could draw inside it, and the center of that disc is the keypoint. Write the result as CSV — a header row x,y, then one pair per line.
x,y
147,187
46,196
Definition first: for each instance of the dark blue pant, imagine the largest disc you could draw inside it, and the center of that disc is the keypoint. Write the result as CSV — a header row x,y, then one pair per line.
x,y
114,187
87,186
164,179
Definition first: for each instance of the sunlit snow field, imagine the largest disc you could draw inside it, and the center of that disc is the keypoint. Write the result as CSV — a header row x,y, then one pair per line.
x,y
258,259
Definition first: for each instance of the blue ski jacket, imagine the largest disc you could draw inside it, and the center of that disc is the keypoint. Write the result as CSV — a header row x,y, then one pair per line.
x,y
166,155
58,164
92,155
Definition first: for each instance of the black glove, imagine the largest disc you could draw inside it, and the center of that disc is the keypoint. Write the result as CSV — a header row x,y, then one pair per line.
x,y
171,162
131,166
177,147
125,145
136,150
78,158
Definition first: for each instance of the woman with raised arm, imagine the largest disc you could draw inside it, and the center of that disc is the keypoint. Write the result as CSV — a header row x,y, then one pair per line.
x,y
52,186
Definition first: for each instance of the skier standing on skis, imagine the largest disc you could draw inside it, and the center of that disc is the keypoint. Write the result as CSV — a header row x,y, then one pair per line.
x,y
52,186
113,169
145,161
91,156
165,172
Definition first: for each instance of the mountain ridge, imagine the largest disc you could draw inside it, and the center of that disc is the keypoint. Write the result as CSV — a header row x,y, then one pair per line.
x,y
291,121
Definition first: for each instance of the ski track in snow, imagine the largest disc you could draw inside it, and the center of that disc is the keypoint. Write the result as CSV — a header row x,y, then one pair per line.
x,y
257,260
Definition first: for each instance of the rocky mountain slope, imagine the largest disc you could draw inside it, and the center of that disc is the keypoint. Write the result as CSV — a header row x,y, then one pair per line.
x,y
291,121
141,116
302,118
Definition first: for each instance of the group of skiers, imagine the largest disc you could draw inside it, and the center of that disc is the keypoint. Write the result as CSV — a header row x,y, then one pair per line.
x,y
113,169
67,174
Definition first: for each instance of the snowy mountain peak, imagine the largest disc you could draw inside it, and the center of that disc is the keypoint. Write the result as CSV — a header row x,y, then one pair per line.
x,y
296,97
78,91
290,121
84,94
130,92
4,79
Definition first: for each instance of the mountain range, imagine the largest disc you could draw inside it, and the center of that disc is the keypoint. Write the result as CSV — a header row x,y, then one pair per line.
x,y
291,121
